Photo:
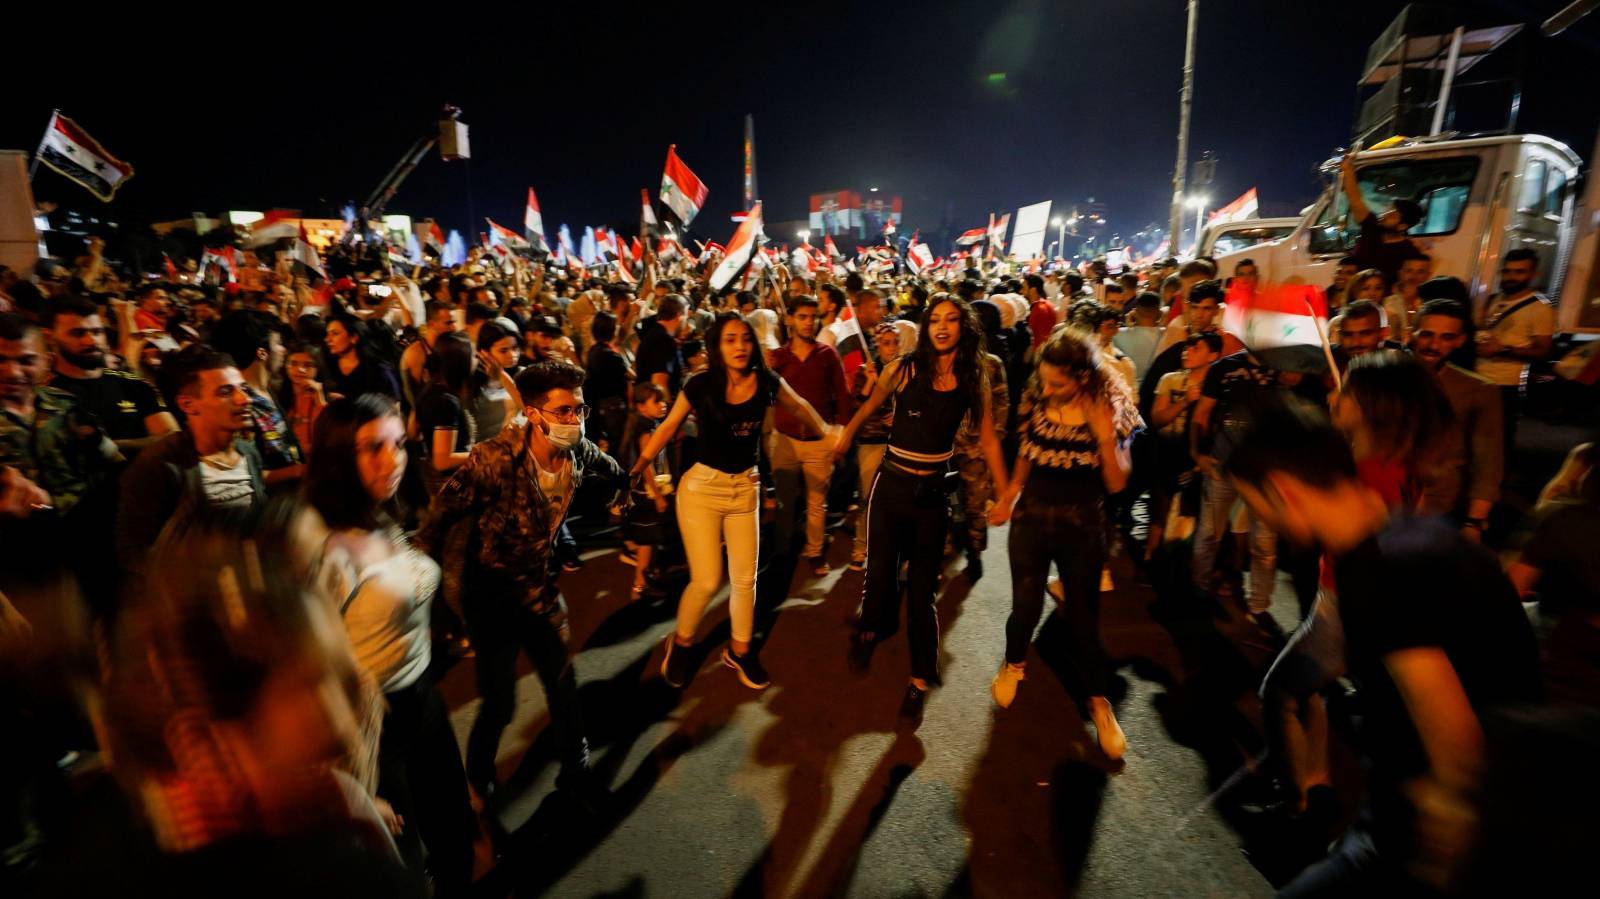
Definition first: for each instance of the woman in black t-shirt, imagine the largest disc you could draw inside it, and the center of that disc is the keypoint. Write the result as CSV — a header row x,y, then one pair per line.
x,y
353,367
940,384
606,386
719,498
1073,423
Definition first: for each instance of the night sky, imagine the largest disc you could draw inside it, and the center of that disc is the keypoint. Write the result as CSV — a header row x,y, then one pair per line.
x,y
310,112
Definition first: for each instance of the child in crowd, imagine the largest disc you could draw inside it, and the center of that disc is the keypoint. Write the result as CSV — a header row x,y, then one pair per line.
x,y
648,513
1176,395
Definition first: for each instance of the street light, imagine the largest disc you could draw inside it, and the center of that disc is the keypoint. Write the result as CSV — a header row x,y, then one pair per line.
x,y
805,236
1198,204
1061,233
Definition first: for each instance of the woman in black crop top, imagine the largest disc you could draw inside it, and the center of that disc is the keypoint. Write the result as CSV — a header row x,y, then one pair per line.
x,y
937,386
719,497
1073,421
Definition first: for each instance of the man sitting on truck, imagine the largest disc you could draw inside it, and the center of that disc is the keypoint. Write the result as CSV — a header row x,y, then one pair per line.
x,y
1384,243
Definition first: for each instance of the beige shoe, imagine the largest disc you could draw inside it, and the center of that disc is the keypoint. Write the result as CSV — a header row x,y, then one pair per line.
x,y
1106,728
1004,685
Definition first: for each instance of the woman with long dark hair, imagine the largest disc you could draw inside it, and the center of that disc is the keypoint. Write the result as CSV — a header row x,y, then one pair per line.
x,y
352,366
942,383
719,498
1074,421
385,589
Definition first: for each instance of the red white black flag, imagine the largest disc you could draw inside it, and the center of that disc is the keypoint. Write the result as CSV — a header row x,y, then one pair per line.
x,y
76,156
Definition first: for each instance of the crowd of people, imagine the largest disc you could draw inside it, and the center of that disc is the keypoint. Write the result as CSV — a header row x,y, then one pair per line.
x,y
248,520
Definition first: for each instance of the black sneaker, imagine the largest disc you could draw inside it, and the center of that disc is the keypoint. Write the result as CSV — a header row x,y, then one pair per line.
x,y
751,673
675,666
860,657
912,705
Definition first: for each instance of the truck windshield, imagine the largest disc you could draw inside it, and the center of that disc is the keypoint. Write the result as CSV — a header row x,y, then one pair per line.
x,y
1441,186
1229,241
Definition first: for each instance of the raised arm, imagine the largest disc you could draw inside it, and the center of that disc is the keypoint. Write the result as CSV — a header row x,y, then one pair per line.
x,y
1352,188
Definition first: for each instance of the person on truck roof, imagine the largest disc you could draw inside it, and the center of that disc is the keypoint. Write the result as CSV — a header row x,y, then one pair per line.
x,y
1384,242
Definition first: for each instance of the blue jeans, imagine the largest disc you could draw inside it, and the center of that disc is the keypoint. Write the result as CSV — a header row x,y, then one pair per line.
x,y
1216,502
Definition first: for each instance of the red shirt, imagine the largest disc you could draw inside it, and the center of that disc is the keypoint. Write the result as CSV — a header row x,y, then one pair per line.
x,y
1041,321
819,379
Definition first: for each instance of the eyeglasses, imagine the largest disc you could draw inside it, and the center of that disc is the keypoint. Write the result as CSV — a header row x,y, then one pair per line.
x,y
567,413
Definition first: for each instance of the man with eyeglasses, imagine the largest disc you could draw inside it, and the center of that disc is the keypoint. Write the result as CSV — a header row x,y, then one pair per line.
x,y
516,488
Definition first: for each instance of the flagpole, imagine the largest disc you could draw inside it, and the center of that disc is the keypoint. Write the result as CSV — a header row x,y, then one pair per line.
x,y
33,164
1327,348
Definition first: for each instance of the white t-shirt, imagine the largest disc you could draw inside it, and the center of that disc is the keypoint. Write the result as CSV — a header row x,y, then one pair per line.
x,y
1536,319
226,487
386,607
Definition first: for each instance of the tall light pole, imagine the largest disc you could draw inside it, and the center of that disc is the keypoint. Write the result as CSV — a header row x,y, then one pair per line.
x,y
1185,101
1198,204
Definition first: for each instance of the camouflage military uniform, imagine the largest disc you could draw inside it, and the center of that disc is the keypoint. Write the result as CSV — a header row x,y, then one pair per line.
x,y
62,450
971,503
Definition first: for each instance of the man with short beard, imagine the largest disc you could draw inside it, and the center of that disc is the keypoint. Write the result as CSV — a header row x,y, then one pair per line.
x,y
1515,327
129,409
1466,483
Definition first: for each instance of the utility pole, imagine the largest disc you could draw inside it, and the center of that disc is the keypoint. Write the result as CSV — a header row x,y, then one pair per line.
x,y
1186,100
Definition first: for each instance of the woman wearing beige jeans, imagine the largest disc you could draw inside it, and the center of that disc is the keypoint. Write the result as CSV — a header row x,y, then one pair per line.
x,y
873,437
719,497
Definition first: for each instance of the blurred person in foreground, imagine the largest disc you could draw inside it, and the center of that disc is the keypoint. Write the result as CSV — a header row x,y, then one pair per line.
x,y
1434,637
228,711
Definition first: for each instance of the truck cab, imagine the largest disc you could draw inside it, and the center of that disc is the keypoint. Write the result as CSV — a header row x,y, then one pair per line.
x,y
1229,237
1481,197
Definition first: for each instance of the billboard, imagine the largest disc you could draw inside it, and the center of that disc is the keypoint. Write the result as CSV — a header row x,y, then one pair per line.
x,y
1027,241
843,212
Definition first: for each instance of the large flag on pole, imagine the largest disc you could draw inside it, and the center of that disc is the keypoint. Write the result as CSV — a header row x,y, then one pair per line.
x,y
1283,325
72,153
533,224
683,193
739,249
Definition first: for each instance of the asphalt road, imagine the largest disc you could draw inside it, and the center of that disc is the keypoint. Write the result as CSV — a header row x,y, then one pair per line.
x,y
809,788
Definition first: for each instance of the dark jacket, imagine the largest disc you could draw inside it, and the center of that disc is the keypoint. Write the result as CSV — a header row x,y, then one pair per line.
x,y
165,479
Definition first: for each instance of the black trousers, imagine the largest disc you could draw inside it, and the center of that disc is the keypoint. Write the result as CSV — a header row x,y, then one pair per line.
x,y
420,774
1073,536
907,518
501,626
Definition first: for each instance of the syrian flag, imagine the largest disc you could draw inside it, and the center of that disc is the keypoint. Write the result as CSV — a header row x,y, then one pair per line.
x,y
668,249
604,244
625,253
647,213
303,252
272,227
708,249
533,224
73,154
829,247
434,237
168,267
223,258
1283,325
920,258
849,342
997,231
968,238
624,275
740,249
803,263
681,191
500,234
888,226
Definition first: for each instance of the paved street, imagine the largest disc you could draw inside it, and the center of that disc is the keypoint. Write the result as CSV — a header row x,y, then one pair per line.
x,y
807,789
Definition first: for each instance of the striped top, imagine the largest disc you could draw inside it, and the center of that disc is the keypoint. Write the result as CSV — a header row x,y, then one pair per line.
x,y
1065,457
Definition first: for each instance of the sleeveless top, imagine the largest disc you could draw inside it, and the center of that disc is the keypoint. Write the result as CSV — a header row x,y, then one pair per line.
x,y
923,435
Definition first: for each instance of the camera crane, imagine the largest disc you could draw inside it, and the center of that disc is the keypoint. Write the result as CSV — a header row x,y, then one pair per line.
x,y
378,200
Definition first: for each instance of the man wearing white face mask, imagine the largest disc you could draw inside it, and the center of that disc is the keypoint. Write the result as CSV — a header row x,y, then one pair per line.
x,y
516,487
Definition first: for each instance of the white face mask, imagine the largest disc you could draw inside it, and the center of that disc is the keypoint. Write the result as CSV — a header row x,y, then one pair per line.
x,y
565,437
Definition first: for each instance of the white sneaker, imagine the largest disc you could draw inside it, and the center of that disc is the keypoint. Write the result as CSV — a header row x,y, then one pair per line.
x,y
1112,741
1004,686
